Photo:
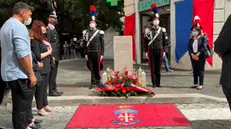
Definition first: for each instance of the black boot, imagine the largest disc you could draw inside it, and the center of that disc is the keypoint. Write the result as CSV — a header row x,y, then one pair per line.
x,y
154,85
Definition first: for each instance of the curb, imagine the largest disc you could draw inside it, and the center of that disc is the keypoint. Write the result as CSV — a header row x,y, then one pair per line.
x,y
161,98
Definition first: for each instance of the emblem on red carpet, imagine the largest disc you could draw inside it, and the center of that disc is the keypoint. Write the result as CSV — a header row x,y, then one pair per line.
x,y
126,115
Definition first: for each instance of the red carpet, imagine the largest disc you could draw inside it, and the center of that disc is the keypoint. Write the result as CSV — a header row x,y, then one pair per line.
x,y
140,115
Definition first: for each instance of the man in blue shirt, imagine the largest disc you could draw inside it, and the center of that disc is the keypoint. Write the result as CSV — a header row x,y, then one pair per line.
x,y
16,65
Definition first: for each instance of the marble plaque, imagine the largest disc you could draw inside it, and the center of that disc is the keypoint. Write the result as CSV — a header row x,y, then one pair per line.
x,y
123,53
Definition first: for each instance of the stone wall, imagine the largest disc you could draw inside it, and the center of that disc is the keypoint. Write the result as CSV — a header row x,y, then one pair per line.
x,y
129,7
221,12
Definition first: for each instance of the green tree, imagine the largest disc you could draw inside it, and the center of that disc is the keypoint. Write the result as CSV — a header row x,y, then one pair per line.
x,y
76,10
106,16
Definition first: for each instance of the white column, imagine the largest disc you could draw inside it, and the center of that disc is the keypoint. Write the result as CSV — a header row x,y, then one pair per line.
x,y
172,32
137,34
227,9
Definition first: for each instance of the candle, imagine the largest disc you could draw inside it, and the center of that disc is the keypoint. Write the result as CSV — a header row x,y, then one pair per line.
x,y
143,79
104,77
140,75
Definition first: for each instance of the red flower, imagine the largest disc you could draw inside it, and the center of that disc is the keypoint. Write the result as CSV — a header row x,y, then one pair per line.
x,y
126,72
116,82
129,78
109,82
124,91
123,80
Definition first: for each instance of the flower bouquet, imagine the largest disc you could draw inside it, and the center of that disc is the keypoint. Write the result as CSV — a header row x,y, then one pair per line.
x,y
122,83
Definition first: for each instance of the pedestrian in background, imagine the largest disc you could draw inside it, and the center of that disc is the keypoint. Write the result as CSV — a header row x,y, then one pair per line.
x,y
196,49
223,49
16,66
66,50
73,51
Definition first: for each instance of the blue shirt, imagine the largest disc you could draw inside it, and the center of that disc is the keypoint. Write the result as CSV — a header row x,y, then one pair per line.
x,y
15,44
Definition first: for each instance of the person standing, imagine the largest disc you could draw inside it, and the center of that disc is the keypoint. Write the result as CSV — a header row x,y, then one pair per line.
x,y
223,49
73,51
94,51
196,50
16,65
42,52
66,50
53,39
165,60
155,38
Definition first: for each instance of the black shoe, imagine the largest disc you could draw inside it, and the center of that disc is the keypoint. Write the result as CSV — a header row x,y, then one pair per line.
x,y
54,94
92,86
101,85
60,92
153,85
158,86
37,121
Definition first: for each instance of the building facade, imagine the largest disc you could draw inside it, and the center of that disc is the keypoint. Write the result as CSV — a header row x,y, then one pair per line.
x,y
167,9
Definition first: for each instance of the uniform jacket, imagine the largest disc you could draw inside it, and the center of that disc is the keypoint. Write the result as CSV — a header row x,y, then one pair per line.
x,y
159,42
53,38
223,49
97,43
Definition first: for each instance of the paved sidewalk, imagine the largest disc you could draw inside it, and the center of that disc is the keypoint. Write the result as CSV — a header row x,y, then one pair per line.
x,y
201,116
74,79
206,109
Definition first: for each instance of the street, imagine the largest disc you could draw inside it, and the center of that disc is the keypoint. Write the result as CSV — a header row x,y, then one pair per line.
x,y
201,116
206,109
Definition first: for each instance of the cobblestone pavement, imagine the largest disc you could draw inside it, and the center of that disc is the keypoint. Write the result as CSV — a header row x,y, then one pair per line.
x,y
201,116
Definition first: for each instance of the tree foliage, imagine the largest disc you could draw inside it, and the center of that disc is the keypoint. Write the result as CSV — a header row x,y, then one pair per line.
x,y
76,10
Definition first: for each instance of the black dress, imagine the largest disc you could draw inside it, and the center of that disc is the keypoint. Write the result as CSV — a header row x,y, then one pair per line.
x,y
41,91
37,49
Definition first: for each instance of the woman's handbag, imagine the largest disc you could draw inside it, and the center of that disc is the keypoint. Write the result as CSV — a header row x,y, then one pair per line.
x,y
208,51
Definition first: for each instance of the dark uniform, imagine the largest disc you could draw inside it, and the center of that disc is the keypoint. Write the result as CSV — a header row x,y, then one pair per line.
x,y
53,38
155,52
94,51
223,49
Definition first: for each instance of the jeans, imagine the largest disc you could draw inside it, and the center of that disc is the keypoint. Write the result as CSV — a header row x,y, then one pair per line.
x,y
22,96
166,63
66,53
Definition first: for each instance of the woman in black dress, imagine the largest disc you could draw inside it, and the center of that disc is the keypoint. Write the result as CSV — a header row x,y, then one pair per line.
x,y
42,52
